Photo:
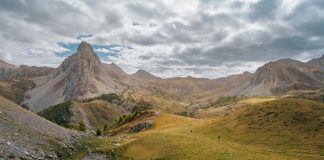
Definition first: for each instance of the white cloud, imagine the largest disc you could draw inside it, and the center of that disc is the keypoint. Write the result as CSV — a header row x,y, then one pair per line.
x,y
202,38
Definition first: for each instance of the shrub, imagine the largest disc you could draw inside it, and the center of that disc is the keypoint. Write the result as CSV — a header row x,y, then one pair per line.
x,y
98,133
59,114
82,126
141,106
223,101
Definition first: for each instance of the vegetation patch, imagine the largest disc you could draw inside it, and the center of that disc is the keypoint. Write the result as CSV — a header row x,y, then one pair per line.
x,y
223,101
60,114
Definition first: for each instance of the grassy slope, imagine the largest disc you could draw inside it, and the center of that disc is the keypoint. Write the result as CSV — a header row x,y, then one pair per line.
x,y
94,114
287,126
99,113
15,90
263,129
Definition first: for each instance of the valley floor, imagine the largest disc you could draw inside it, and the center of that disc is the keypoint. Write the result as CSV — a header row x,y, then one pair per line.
x,y
237,135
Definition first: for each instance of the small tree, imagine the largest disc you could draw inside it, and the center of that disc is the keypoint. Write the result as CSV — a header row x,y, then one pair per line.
x,y
82,127
98,133
105,127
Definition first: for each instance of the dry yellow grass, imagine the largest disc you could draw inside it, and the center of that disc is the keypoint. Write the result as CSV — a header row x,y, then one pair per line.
x,y
257,131
257,100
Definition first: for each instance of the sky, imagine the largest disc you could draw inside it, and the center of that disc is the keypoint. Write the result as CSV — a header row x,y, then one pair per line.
x,y
199,38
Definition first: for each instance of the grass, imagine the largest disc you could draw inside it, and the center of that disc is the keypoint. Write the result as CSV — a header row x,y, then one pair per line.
x,y
287,126
100,113
257,100
265,128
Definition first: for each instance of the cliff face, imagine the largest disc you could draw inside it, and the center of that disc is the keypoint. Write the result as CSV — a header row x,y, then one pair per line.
x,y
83,69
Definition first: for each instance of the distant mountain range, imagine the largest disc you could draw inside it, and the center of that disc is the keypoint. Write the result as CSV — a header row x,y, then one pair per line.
x,y
82,75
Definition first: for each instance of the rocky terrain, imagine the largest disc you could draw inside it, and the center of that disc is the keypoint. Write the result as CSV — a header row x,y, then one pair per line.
x,y
25,135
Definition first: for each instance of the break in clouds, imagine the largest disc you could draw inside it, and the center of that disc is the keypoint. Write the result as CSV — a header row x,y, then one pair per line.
x,y
168,38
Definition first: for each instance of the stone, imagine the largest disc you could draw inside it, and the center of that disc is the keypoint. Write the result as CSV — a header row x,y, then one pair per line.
x,y
141,126
26,153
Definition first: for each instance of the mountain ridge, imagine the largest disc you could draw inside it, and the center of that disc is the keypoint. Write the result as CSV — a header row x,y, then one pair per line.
x,y
83,75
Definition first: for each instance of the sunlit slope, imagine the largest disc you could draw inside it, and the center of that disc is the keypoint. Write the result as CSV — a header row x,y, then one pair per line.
x,y
288,126
171,138
261,128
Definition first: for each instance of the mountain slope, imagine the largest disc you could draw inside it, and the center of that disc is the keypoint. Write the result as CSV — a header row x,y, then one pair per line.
x,y
4,64
288,125
26,135
282,76
11,72
82,75
317,62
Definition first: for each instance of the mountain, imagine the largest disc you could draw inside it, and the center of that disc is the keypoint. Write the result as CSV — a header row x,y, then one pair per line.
x,y
317,62
81,75
25,135
11,72
4,64
144,75
282,76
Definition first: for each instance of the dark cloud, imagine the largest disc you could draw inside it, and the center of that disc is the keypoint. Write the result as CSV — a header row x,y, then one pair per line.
x,y
264,10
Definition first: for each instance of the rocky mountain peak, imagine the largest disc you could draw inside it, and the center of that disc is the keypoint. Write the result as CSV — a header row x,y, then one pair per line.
x,y
82,69
85,49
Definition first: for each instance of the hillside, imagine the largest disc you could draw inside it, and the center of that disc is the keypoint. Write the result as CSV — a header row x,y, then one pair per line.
x,y
290,126
4,64
16,90
262,128
317,62
25,135
280,77
95,113
10,72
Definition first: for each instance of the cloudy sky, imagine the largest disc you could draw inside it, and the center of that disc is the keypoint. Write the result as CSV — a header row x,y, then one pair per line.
x,y
201,38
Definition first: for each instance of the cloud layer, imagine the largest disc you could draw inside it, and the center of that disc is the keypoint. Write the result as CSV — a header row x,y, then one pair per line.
x,y
202,38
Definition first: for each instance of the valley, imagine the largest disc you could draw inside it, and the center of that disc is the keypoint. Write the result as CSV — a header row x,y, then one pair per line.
x,y
86,109
249,132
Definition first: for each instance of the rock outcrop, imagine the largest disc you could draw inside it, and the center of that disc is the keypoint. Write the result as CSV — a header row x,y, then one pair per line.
x,y
141,126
